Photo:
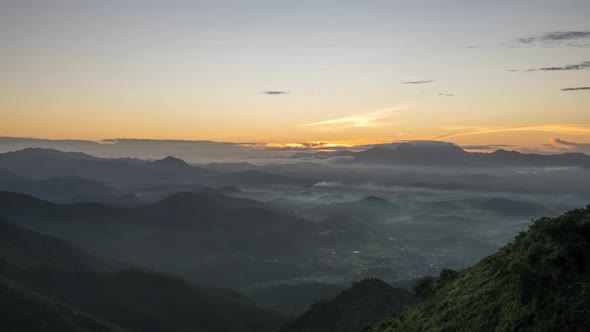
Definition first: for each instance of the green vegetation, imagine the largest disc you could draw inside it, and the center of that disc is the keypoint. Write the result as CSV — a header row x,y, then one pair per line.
x,y
539,282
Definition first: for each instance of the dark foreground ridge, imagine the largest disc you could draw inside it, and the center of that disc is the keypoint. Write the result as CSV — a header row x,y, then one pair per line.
x,y
367,301
48,285
539,282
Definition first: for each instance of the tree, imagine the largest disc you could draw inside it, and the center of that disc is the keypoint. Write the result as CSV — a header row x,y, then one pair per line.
x,y
447,275
424,287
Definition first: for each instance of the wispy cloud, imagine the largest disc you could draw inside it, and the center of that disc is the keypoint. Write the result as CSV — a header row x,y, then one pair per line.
x,y
446,94
418,82
304,146
367,120
579,88
555,37
579,66
575,146
274,92
556,128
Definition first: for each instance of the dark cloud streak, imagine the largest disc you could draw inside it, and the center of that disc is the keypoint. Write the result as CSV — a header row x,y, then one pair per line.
x,y
554,37
418,82
579,147
579,66
275,93
579,88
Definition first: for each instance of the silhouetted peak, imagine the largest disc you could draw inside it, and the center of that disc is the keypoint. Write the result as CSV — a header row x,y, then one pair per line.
x,y
366,302
370,284
171,161
375,200
506,152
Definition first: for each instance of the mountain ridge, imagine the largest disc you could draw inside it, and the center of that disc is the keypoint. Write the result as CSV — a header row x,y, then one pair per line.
x,y
538,282
448,154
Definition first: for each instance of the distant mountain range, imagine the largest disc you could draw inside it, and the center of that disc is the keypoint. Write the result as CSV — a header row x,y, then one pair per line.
x,y
199,235
54,187
207,222
448,154
43,163
78,168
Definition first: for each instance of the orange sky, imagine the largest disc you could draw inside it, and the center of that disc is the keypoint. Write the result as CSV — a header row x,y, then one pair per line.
x,y
342,73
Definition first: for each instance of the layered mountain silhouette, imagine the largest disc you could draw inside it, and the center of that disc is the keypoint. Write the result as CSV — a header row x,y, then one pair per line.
x,y
434,153
199,235
53,187
47,284
43,163
201,221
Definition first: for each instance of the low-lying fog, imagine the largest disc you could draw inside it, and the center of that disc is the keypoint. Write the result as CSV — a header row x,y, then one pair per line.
x,y
435,217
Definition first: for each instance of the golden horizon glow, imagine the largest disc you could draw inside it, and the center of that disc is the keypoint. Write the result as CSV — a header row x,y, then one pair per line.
x,y
344,75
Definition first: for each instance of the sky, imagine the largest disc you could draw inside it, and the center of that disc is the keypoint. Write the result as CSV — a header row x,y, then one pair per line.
x,y
279,72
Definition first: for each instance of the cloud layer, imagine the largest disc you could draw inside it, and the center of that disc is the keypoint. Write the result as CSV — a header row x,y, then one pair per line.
x,y
367,120
555,37
579,88
274,92
556,128
418,82
579,66
578,147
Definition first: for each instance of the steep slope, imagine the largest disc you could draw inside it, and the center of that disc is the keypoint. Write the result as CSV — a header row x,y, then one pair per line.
x,y
367,301
539,282
45,281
